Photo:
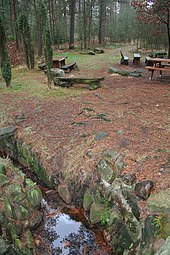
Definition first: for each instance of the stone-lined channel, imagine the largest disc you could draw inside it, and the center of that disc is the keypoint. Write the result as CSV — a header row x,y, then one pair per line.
x,y
110,208
37,225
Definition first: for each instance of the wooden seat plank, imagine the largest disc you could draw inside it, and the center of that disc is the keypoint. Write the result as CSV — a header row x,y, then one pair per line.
x,y
156,68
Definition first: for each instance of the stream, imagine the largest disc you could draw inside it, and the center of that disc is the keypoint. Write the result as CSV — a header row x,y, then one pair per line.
x,y
64,229
63,234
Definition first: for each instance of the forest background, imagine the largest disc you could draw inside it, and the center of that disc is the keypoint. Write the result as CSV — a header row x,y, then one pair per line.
x,y
83,23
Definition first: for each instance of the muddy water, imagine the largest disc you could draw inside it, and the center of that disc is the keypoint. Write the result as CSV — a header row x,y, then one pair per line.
x,y
60,234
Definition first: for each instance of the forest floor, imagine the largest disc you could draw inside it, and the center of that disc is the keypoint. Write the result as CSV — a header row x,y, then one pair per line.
x,y
62,124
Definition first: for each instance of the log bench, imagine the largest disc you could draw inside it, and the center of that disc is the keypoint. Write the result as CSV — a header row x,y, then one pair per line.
x,y
156,68
94,83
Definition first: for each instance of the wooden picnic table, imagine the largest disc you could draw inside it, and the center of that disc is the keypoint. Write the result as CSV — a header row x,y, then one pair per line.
x,y
59,62
159,64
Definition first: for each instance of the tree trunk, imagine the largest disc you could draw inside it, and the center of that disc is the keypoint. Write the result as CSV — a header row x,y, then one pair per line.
x,y
72,23
84,25
15,21
65,22
39,30
102,21
168,30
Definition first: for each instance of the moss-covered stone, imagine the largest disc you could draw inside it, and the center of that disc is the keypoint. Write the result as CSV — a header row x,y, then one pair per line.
x,y
7,141
26,155
88,200
15,192
8,210
96,212
105,170
21,246
115,215
165,249
3,219
20,199
4,247
3,180
35,220
160,202
64,193
28,239
2,169
21,212
34,196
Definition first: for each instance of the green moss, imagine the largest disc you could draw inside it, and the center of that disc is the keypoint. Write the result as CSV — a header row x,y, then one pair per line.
x,y
8,210
27,154
2,169
88,200
3,180
35,196
21,212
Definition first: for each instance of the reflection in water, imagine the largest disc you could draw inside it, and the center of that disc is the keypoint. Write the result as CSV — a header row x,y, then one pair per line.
x,y
67,236
61,235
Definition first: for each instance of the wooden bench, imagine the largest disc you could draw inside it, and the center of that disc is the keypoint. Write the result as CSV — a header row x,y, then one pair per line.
x,y
148,61
154,68
136,59
69,67
124,59
161,54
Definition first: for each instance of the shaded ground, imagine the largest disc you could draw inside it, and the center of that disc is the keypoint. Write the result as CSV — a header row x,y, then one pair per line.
x,y
135,113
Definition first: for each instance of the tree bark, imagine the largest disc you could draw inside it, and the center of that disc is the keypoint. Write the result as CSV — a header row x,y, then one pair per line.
x,y
102,21
15,21
72,23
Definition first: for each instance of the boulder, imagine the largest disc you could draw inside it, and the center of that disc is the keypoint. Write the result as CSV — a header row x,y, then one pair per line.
x,y
4,247
105,170
165,248
56,72
3,180
7,141
160,202
88,200
96,212
113,70
64,193
143,189
110,166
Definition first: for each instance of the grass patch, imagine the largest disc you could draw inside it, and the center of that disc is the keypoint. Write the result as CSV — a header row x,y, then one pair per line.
x,y
34,83
28,83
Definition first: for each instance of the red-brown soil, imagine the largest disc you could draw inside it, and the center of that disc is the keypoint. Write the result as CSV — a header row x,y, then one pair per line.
x,y
63,130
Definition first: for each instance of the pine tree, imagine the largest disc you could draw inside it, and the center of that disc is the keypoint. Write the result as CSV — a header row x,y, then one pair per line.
x,y
47,45
48,53
5,63
24,29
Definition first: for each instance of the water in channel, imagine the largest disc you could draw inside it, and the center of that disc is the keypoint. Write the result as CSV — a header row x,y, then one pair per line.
x,y
61,235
